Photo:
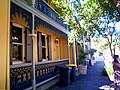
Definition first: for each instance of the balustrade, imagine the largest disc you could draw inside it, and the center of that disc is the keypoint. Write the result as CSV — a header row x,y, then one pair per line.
x,y
50,12
20,76
45,8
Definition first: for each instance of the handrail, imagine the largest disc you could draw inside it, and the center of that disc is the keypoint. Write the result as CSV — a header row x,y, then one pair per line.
x,y
43,62
52,61
20,65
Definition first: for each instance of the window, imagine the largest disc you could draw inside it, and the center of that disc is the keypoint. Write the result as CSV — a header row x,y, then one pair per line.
x,y
44,47
17,43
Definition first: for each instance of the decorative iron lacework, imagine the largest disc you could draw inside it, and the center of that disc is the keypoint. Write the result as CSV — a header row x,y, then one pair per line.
x,y
40,23
44,8
14,9
20,77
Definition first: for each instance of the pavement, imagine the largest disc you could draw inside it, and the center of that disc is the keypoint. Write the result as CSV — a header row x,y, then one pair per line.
x,y
94,80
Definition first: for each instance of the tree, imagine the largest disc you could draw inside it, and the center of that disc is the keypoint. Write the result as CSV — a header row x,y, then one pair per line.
x,y
87,19
91,52
110,33
82,56
94,23
68,12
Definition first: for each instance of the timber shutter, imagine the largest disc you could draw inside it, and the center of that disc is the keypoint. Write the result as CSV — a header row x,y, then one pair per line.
x,y
28,46
39,46
49,47
10,43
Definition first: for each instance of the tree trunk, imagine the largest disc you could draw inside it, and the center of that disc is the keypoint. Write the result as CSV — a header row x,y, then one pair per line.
x,y
110,46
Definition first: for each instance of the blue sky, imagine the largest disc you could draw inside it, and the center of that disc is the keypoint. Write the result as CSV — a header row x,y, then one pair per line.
x,y
117,26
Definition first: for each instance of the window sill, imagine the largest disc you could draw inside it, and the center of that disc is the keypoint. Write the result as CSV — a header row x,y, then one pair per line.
x,y
20,64
17,62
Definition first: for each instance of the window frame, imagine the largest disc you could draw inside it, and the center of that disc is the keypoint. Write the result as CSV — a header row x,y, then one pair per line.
x,y
22,44
45,47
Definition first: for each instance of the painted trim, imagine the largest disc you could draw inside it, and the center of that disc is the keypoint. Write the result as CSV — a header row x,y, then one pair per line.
x,y
40,23
29,64
22,44
40,15
18,25
20,65
44,82
52,61
45,47
8,48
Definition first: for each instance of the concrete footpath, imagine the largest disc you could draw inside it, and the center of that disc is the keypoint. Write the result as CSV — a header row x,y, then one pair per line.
x,y
92,81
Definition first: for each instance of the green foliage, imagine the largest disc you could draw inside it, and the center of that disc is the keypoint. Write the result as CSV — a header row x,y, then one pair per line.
x,y
91,11
109,71
91,52
82,56
29,2
85,19
70,38
104,72
68,13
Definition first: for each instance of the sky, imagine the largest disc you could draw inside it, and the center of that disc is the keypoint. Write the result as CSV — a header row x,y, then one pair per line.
x,y
117,26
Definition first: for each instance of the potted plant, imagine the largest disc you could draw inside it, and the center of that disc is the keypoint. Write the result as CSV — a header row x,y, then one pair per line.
x,y
82,64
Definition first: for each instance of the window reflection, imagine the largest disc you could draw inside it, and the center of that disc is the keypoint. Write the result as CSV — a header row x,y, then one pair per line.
x,y
17,52
17,35
17,46
43,40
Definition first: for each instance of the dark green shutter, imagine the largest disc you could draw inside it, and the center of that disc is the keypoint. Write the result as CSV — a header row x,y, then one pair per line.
x,y
49,47
39,46
29,52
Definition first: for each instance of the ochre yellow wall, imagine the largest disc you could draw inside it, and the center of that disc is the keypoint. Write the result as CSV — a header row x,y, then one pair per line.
x,y
35,48
63,42
63,48
4,44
